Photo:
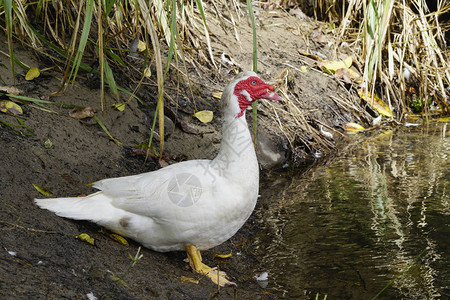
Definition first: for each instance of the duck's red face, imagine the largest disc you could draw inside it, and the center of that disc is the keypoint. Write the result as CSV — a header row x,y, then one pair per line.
x,y
251,89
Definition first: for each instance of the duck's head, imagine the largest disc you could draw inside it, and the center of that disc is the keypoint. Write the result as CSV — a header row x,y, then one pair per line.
x,y
243,90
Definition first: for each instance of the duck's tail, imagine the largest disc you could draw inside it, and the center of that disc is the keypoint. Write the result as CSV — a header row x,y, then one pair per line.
x,y
95,207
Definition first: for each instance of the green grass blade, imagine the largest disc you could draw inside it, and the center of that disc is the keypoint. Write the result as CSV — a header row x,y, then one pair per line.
x,y
83,39
141,5
115,57
8,14
208,40
109,76
38,102
255,45
125,91
255,64
58,50
106,130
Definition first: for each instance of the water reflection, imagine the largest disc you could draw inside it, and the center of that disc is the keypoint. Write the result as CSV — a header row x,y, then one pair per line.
x,y
348,228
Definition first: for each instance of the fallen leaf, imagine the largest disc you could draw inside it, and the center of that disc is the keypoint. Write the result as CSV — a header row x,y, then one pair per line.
x,y
148,72
217,95
119,106
205,116
353,127
332,66
377,104
189,279
224,255
116,237
304,69
163,163
10,107
119,239
142,46
32,74
82,112
85,238
43,190
10,90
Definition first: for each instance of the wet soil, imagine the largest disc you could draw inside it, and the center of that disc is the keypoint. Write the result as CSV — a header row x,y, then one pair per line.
x,y
40,258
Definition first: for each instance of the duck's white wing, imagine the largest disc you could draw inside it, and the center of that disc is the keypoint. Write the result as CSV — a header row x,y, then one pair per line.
x,y
154,194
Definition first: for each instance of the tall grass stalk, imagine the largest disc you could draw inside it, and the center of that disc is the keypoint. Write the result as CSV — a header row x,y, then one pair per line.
x,y
255,66
8,15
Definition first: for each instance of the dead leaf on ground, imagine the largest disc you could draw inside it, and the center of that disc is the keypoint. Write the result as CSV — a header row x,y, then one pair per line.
x,y
205,116
163,163
11,108
10,90
82,112
43,190
377,104
118,238
85,238
119,106
148,72
32,73
142,46
353,127
189,279
224,255
217,95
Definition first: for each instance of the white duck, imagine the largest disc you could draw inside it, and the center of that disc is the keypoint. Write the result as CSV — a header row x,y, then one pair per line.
x,y
196,204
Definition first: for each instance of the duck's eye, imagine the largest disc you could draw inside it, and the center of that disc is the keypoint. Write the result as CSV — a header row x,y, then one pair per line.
x,y
254,82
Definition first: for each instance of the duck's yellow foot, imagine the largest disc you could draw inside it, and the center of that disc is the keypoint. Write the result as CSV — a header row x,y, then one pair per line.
x,y
195,261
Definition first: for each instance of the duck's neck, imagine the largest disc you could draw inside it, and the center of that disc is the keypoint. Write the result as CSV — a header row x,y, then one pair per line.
x,y
237,153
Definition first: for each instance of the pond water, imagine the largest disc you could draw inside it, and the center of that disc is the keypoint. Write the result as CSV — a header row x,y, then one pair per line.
x,y
374,216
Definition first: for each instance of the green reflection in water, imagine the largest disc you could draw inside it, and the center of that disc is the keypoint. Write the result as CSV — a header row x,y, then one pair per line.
x,y
349,227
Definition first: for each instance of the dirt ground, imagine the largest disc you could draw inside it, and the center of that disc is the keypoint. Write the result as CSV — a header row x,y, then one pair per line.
x,y
39,254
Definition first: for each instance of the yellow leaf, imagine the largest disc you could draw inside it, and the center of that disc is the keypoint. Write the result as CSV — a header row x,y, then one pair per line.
x,y
217,95
189,279
118,238
224,255
332,66
10,107
148,72
115,237
205,116
119,106
443,120
304,69
377,104
32,73
85,238
43,190
353,127
142,46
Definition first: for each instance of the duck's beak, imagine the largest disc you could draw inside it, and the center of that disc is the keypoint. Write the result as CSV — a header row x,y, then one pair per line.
x,y
270,95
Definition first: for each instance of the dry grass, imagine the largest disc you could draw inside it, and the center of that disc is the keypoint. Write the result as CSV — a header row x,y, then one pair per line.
x,y
402,46
389,40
